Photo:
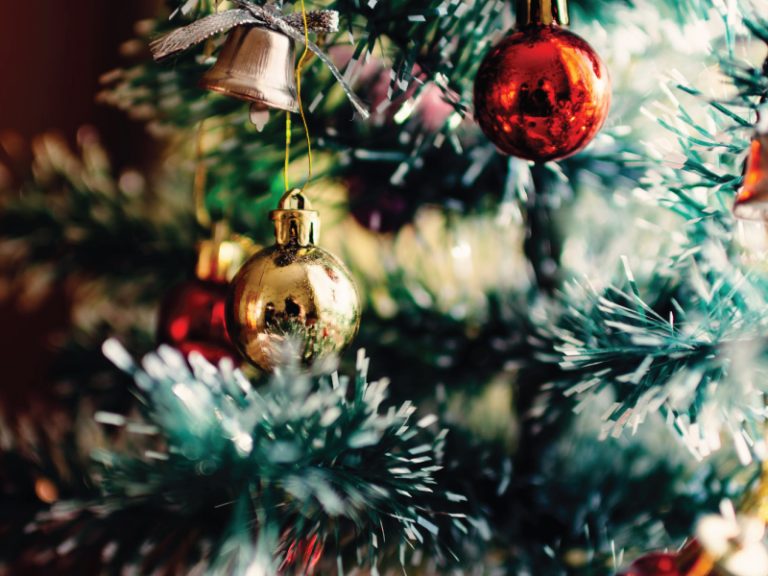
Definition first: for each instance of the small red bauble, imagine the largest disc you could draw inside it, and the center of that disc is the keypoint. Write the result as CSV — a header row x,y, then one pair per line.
x,y
691,560
192,320
302,557
378,205
542,93
192,317
654,564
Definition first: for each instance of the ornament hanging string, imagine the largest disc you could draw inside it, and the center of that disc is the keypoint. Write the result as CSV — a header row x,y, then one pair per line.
x,y
295,26
286,181
299,67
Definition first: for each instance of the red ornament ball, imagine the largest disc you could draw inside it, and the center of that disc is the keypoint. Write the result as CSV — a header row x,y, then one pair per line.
x,y
192,319
302,557
542,93
654,564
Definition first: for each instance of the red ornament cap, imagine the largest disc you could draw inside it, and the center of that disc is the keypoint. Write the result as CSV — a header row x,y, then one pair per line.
x,y
542,93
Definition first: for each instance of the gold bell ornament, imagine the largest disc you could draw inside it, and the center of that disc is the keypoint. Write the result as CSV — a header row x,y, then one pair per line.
x,y
292,300
752,200
256,62
256,65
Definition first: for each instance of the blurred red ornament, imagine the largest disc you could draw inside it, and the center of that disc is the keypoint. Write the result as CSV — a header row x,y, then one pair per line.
x,y
542,93
378,205
192,320
429,108
192,316
432,109
752,200
302,556
691,560
654,564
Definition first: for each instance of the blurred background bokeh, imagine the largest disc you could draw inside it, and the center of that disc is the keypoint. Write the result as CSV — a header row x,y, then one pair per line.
x,y
53,56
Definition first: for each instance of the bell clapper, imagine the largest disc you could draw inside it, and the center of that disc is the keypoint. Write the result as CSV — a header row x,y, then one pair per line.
x,y
259,116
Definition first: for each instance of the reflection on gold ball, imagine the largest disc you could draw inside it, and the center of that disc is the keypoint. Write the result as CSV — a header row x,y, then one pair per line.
x,y
296,295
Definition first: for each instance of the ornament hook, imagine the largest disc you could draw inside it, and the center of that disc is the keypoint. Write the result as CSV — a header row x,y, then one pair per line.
x,y
294,200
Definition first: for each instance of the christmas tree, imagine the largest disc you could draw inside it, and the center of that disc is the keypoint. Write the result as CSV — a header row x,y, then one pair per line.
x,y
530,338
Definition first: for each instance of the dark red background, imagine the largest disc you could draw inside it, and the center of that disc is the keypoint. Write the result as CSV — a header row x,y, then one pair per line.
x,y
52,54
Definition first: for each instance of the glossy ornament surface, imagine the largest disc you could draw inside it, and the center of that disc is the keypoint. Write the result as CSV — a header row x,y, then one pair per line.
x,y
692,560
752,199
192,319
256,64
293,299
542,93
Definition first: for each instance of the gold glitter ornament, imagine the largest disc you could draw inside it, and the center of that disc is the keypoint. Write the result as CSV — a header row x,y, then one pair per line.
x,y
292,298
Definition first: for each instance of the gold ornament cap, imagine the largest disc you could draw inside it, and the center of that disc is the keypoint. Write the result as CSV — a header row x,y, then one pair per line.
x,y
219,257
295,221
542,13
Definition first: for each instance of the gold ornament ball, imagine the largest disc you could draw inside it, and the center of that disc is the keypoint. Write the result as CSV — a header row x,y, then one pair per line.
x,y
292,298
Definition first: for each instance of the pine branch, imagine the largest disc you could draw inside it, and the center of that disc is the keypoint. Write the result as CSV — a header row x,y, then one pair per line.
x,y
588,506
682,359
304,461
75,217
459,353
